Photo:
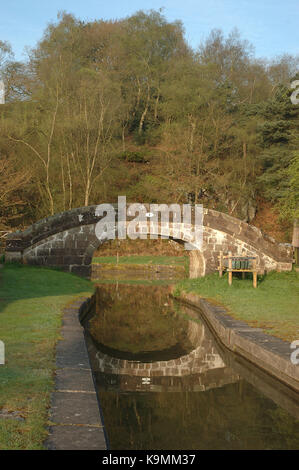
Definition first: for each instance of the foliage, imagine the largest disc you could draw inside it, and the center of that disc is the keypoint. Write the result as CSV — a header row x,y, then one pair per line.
x,y
94,98
289,201
133,157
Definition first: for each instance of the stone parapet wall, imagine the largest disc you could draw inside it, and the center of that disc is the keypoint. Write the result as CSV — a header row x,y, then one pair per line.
x,y
247,234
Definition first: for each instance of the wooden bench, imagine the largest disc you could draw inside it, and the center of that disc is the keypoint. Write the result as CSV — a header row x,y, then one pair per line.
x,y
237,264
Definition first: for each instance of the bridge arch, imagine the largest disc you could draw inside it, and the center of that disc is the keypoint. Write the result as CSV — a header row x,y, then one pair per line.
x,y
68,241
200,369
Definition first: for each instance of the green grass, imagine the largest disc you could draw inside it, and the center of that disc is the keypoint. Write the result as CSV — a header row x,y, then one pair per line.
x,y
145,282
146,259
273,306
31,302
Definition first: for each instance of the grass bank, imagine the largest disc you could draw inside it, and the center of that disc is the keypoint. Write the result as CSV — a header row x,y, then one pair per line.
x,y
143,259
273,306
31,302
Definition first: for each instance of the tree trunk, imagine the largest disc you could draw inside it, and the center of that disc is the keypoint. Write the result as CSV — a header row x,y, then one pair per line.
x,y
143,116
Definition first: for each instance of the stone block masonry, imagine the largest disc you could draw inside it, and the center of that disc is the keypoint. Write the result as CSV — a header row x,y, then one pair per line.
x,y
68,241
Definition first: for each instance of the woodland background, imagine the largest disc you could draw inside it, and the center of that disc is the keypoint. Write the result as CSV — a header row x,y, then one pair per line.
x,y
110,108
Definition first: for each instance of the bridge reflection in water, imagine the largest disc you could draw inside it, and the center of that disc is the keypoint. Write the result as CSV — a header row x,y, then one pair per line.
x,y
143,346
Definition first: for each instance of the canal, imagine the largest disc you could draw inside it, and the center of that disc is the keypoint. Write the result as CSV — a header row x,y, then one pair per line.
x,y
164,382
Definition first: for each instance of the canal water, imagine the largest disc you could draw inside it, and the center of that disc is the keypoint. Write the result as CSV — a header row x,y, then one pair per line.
x,y
163,381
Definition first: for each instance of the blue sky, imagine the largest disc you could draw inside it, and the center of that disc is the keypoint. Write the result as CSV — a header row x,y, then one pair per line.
x,y
272,26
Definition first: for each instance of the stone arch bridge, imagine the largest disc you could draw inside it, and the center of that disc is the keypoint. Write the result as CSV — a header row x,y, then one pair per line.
x,y
68,241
